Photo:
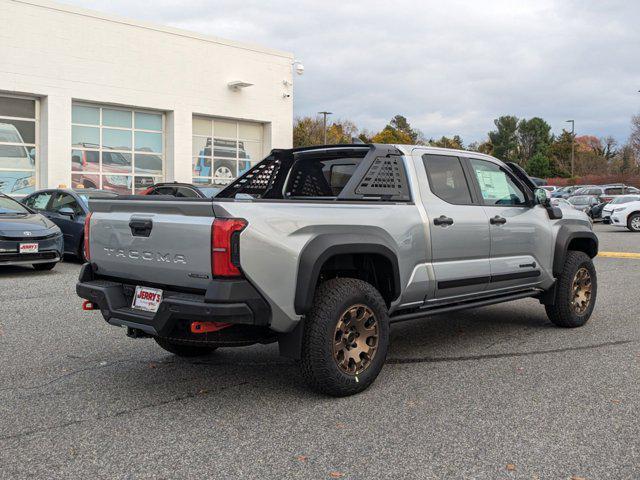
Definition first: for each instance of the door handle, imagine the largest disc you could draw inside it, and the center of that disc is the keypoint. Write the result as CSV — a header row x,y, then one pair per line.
x,y
443,221
497,220
140,227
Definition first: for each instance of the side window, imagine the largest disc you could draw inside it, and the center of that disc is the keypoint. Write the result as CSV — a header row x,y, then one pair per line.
x,y
496,187
186,192
613,191
320,177
164,191
447,179
39,201
64,200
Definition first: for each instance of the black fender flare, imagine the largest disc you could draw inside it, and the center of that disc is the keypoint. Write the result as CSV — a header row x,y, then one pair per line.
x,y
566,234
324,246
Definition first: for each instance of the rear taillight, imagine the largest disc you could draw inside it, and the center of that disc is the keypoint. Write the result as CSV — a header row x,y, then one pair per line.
x,y
225,246
87,233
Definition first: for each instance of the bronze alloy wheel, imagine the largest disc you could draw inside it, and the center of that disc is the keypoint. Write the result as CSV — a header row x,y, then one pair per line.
x,y
581,291
355,339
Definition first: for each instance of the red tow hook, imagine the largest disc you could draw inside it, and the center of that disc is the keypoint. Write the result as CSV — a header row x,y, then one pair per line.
x,y
87,305
206,327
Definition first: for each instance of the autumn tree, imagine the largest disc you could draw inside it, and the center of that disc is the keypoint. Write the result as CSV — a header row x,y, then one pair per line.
x,y
392,135
341,131
482,147
446,142
308,131
401,124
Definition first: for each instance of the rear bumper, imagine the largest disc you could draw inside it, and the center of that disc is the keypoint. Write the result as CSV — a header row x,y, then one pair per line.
x,y
233,301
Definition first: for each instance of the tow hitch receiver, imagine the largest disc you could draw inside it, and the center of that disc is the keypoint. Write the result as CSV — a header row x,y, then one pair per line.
x,y
87,305
206,327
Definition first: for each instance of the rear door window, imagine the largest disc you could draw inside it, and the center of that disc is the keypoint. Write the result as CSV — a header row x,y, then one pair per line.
x,y
447,179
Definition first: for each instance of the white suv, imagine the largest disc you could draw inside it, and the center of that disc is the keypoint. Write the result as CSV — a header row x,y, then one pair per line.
x,y
627,215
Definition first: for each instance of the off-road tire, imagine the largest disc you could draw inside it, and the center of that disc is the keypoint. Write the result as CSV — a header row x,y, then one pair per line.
x,y
44,266
183,349
318,365
561,313
630,222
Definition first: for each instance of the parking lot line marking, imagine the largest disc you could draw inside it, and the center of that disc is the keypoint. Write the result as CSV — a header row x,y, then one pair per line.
x,y
619,254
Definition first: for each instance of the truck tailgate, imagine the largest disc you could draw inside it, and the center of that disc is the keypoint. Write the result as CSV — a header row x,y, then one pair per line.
x,y
153,241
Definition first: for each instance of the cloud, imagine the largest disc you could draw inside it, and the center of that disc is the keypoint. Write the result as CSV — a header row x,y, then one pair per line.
x,y
449,67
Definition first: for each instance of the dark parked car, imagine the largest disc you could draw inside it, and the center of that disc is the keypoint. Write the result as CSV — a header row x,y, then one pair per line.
x,y
27,238
68,210
188,190
589,204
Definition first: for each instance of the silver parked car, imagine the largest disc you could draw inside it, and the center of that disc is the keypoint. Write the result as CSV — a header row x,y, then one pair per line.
x,y
322,248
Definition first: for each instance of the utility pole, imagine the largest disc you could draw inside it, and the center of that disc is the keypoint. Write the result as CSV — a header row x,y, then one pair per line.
x,y
573,142
324,124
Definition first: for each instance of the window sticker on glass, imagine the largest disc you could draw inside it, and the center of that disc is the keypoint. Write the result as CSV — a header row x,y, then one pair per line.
x,y
493,185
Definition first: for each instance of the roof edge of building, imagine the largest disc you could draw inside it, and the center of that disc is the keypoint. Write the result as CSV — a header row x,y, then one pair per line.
x,y
50,5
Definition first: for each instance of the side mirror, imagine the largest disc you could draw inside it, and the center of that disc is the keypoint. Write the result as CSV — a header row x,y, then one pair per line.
x,y
67,212
541,196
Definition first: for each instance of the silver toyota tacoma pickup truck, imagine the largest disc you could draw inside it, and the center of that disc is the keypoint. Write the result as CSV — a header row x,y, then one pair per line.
x,y
322,248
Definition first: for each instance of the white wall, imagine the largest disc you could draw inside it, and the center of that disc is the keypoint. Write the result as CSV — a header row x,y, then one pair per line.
x,y
60,54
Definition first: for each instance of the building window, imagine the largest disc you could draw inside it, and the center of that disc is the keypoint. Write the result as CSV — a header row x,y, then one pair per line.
x,y
116,149
224,149
18,145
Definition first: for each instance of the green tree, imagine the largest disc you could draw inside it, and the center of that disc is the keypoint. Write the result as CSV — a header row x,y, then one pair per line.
x,y
534,136
539,166
505,138
560,154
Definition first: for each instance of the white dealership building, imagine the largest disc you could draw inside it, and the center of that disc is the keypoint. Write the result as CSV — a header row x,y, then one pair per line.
x,y
102,101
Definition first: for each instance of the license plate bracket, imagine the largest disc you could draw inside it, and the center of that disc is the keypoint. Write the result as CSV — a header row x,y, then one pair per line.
x,y
147,299
28,248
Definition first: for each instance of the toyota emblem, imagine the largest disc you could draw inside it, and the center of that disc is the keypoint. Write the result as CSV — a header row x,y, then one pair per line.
x,y
27,234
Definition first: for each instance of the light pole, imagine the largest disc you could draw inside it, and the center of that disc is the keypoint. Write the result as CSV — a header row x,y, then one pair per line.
x,y
324,124
573,141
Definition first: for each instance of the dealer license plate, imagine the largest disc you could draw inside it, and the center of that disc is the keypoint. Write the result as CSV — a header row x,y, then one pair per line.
x,y
147,299
28,248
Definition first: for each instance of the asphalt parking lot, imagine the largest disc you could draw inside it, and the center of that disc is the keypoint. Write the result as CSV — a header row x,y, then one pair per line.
x,y
493,393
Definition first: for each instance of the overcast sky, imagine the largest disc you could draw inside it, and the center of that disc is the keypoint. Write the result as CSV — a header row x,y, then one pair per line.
x,y
449,67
